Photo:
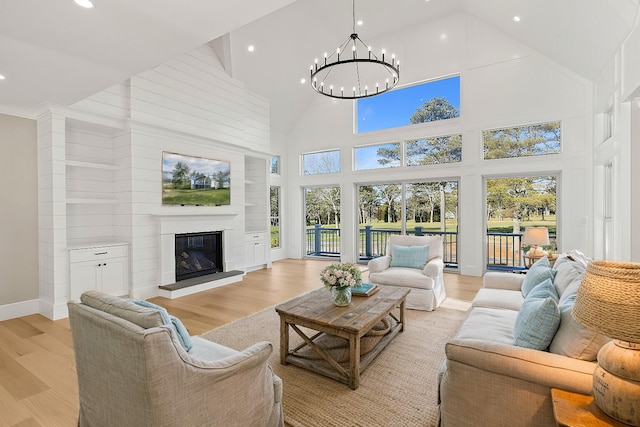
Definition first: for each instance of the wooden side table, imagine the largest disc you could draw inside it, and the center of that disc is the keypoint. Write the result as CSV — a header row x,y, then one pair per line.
x,y
579,410
529,260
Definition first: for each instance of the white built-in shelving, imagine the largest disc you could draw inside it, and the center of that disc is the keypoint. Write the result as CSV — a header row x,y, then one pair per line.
x,y
256,212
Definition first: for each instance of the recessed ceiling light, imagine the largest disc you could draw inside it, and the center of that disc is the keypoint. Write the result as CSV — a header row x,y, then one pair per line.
x,y
251,48
84,3
516,18
360,23
303,80
1,77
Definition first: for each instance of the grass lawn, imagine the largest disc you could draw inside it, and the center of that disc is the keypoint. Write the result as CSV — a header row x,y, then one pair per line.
x,y
200,196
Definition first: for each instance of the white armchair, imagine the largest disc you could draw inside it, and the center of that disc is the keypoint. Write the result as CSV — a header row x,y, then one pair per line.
x,y
424,275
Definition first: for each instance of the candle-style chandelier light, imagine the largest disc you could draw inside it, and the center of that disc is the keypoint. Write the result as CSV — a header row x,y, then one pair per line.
x,y
353,70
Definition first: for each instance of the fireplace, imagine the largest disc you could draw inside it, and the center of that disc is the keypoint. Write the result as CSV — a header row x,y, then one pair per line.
x,y
198,254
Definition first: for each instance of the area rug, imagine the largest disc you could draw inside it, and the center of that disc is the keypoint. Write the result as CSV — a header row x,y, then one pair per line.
x,y
399,388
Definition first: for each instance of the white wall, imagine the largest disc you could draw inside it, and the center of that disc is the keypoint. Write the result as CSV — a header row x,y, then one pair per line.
x,y
617,137
503,84
19,213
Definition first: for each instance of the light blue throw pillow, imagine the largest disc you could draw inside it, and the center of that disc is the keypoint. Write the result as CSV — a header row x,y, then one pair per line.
x,y
538,318
170,321
409,256
538,273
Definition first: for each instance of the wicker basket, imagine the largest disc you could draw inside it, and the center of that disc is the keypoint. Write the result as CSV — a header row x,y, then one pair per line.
x,y
608,300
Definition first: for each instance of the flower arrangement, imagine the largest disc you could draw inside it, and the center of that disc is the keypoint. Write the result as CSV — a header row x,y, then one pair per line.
x,y
341,275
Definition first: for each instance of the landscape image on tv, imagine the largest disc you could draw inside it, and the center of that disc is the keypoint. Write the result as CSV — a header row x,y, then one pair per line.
x,y
189,180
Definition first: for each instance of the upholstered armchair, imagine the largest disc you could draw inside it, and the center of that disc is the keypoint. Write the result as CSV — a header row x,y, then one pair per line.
x,y
134,371
414,262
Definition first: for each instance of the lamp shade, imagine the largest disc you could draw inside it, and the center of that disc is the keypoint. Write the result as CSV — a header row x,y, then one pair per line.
x,y
538,236
608,300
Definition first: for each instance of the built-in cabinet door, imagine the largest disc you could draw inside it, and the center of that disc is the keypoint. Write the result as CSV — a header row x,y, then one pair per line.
x,y
83,277
112,277
255,250
105,269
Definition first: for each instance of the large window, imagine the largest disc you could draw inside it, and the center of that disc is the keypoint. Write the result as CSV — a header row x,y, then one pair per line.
x,y
322,221
414,208
522,141
513,204
322,162
426,102
275,216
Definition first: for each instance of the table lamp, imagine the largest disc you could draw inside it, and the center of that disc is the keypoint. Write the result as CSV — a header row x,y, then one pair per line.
x,y
536,236
608,301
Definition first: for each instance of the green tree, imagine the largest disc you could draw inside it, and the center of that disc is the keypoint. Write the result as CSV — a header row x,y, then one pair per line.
x,y
433,151
181,173
434,109
522,141
389,195
444,149
369,203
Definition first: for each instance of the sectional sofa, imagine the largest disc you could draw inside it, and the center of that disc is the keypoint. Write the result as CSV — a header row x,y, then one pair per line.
x,y
518,341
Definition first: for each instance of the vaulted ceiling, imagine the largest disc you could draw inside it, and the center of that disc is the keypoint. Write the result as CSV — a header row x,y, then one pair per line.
x,y
56,52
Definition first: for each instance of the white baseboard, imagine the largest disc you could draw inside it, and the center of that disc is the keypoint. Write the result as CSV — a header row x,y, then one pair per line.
x,y
19,309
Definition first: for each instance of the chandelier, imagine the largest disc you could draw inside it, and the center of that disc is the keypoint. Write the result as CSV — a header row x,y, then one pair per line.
x,y
353,71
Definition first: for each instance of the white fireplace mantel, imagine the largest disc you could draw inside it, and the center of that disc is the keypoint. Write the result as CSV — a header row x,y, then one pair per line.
x,y
192,219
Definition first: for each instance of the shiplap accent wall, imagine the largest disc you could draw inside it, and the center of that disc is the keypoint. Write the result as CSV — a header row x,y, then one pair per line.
x,y
187,105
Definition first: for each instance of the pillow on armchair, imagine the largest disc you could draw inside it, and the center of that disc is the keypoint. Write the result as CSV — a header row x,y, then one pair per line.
x,y
409,256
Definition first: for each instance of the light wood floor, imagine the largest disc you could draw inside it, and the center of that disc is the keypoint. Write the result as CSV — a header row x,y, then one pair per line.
x,y
37,369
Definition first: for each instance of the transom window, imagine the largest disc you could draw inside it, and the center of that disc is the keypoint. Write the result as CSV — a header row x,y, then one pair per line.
x,y
522,141
321,162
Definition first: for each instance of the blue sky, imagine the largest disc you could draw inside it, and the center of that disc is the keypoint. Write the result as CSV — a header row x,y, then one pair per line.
x,y
394,108
198,164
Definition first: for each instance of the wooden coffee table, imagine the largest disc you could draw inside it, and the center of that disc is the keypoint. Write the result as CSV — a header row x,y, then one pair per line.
x,y
316,311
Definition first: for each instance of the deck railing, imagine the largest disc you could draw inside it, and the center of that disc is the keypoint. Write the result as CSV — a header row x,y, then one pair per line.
x,y
503,249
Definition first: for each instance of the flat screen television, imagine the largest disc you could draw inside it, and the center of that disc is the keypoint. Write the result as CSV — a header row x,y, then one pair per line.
x,y
195,181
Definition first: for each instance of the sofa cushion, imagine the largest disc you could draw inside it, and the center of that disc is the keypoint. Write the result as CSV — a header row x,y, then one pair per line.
x,y
538,273
409,256
144,317
172,322
538,318
568,267
401,276
209,350
488,324
572,339
498,298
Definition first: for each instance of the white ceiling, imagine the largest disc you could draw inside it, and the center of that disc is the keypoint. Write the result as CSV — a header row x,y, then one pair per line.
x,y
52,51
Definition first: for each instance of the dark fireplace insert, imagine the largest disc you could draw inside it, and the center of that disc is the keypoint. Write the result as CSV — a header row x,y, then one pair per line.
x,y
198,254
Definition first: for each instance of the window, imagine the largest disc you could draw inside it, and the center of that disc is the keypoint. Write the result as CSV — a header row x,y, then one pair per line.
x,y
426,102
378,156
275,165
322,221
275,216
522,141
433,151
322,162
513,204
414,208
